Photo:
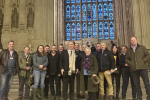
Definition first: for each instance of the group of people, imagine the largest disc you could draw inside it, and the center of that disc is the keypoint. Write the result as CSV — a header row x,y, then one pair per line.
x,y
94,71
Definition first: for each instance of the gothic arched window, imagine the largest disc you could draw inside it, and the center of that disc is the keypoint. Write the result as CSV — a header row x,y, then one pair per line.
x,y
89,19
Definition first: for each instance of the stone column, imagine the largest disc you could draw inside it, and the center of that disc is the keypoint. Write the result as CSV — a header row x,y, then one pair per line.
x,y
56,21
137,20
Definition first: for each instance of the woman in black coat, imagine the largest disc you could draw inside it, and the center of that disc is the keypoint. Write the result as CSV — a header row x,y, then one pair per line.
x,y
116,75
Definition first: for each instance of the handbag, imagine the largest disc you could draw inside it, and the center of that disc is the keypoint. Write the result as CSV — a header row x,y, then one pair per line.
x,y
89,73
31,79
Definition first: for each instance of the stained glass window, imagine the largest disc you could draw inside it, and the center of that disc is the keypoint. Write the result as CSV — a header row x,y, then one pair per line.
x,y
89,30
94,12
89,12
73,31
89,19
78,13
83,12
94,30
84,30
78,31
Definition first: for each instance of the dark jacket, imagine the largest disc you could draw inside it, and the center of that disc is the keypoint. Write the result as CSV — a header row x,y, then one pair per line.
x,y
94,68
22,65
95,53
137,60
64,62
4,60
93,49
122,61
105,60
53,64
81,56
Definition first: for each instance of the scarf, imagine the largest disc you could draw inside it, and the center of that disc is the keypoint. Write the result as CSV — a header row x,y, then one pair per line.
x,y
72,59
86,63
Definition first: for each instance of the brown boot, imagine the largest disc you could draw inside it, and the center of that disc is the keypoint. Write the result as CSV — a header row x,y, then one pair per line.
x,y
111,97
20,98
5,98
102,97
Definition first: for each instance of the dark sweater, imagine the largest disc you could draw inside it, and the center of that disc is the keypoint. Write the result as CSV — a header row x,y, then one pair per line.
x,y
53,64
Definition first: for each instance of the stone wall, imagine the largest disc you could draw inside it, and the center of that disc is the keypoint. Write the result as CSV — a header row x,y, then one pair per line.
x,y
43,27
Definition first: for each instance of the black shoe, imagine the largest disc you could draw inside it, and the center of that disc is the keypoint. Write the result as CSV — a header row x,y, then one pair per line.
x,y
82,97
78,96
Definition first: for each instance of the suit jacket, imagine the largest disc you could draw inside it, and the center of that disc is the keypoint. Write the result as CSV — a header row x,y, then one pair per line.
x,y
64,62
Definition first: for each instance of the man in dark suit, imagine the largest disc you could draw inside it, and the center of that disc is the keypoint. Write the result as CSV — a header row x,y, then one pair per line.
x,y
69,67
77,51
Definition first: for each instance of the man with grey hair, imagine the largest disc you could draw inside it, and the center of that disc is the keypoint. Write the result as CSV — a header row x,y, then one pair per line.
x,y
106,63
9,67
136,57
69,68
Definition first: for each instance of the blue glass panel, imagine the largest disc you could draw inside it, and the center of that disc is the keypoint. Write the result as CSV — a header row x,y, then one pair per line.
x,y
93,0
100,12
109,0
99,0
73,31
104,0
106,34
94,12
94,30
67,1
110,7
72,1
72,13
111,29
100,30
89,30
84,35
68,13
77,1
83,1
68,31
105,11
78,32
88,0
83,12
89,12
78,13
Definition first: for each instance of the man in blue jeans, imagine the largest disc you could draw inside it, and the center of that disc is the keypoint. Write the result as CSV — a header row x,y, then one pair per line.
x,y
136,57
9,67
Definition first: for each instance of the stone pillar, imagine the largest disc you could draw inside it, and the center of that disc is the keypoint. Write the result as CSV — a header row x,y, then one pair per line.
x,y
137,20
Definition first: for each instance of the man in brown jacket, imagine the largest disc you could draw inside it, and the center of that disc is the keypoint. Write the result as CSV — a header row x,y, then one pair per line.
x,y
9,67
136,58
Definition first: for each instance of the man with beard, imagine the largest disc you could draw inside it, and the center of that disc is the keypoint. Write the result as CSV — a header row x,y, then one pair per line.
x,y
69,68
54,73
60,48
77,51
46,51
81,56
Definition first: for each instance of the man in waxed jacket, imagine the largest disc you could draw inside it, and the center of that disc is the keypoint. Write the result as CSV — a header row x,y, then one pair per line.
x,y
136,57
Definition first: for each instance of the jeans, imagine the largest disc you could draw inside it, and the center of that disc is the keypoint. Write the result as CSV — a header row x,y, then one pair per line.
x,y
39,78
136,79
6,81
125,77
55,78
23,81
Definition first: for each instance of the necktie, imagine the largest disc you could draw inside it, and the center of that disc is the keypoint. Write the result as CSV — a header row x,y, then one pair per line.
x,y
70,52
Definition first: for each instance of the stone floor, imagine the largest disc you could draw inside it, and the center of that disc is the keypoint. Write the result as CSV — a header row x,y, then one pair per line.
x,y
13,94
